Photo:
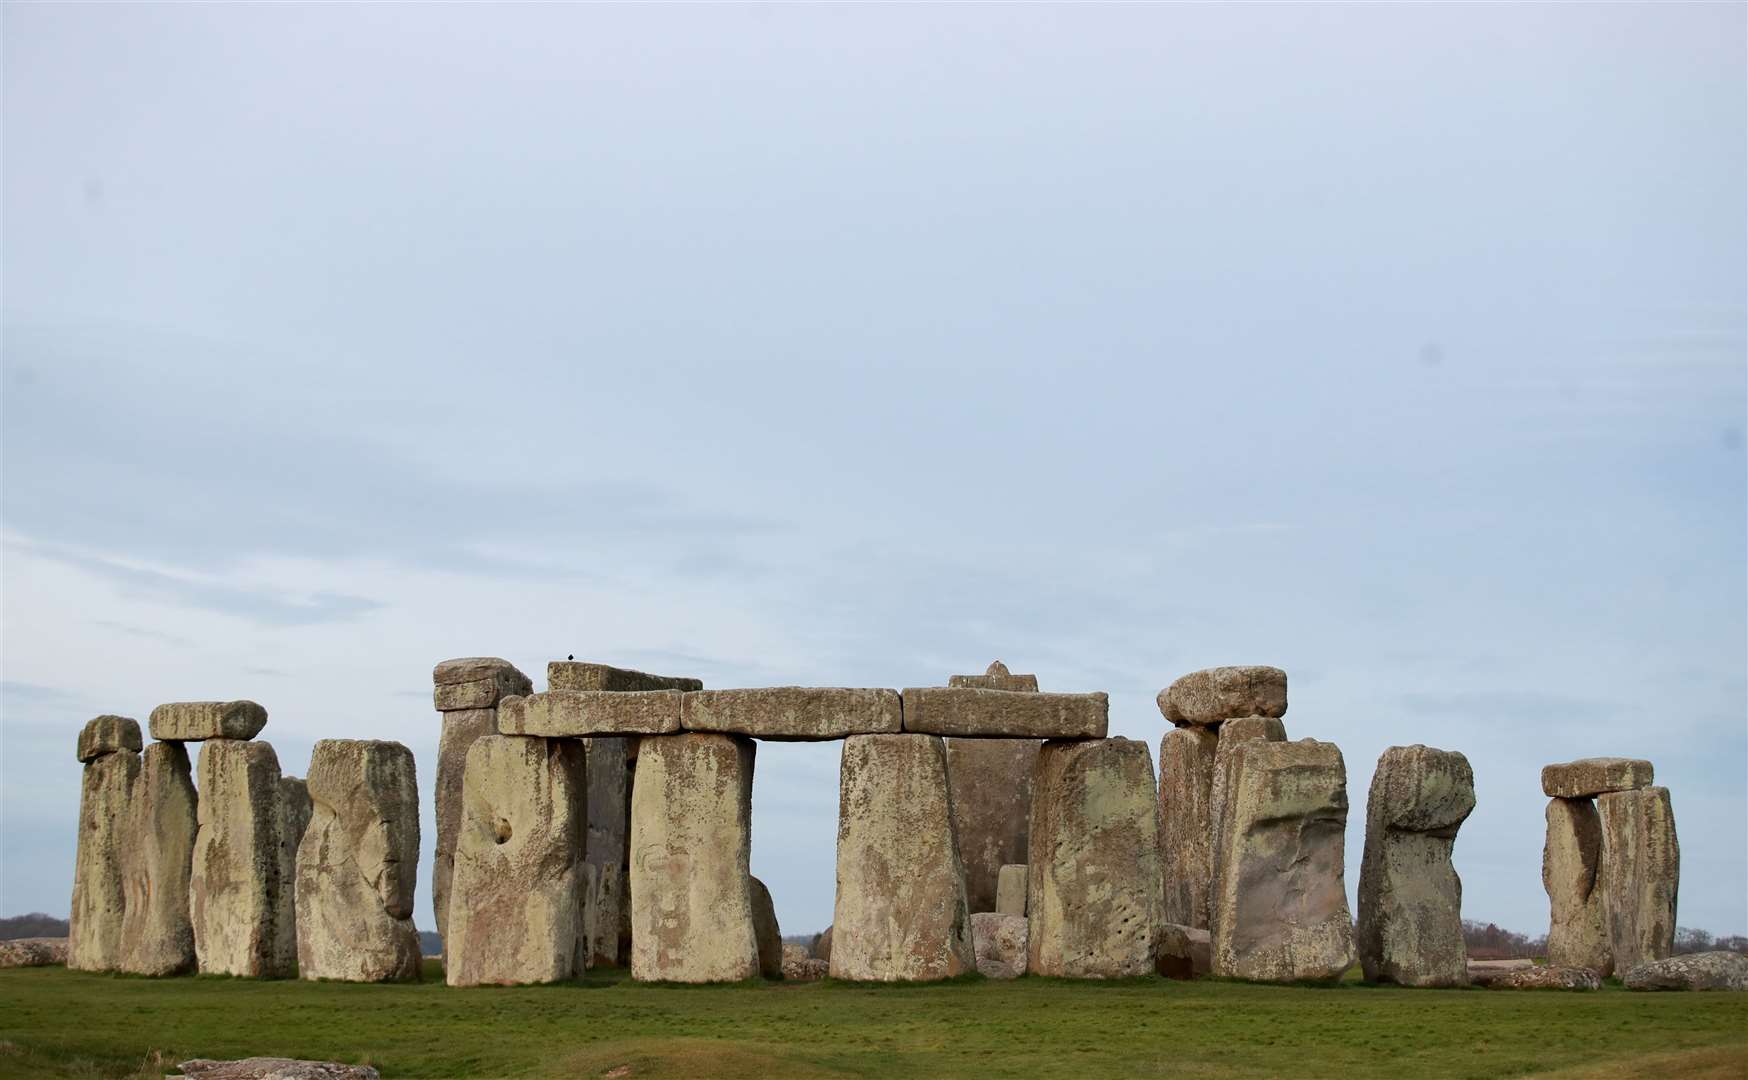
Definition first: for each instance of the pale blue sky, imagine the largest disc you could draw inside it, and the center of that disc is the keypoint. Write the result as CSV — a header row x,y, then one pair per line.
x,y
1402,347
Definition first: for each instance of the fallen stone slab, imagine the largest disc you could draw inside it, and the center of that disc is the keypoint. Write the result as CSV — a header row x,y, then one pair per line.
x,y
999,942
581,675
576,713
1185,952
1484,972
805,970
32,952
1186,844
461,729
107,734
1010,890
271,1068
1549,977
240,890
901,911
476,682
1219,694
793,712
1000,714
1594,776
1694,971
997,677
1571,859
766,931
157,934
1640,874
104,848
1093,881
990,784
196,721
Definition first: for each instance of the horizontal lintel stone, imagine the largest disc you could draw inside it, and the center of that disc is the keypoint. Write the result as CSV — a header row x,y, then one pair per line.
x,y
581,675
573,713
194,721
1595,776
971,712
476,682
794,712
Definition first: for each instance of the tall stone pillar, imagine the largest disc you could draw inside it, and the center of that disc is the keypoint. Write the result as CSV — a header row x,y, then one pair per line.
x,y
1640,874
1571,856
158,935
109,747
240,892
990,781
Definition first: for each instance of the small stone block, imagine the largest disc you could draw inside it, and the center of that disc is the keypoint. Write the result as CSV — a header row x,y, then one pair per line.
x,y
106,735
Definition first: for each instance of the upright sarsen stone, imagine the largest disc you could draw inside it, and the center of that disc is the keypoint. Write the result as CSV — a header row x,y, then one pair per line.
x,y
691,838
109,747
608,847
1093,881
1411,924
901,910
516,900
240,894
157,934
1186,856
357,864
1571,858
766,931
990,783
1232,735
1640,874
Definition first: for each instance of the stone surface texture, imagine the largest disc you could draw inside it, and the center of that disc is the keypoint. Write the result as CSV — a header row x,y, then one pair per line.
x,y
990,783
271,1068
240,891
1185,952
582,675
608,849
1410,929
575,713
1232,735
997,677
1694,971
1280,909
1186,843
461,728
901,912
1588,777
793,712
194,721
157,936
476,682
1225,693
1639,875
1010,890
357,864
1549,977
516,899
968,712
99,906
999,943
691,837
766,932
1571,858
107,734
33,952
1093,882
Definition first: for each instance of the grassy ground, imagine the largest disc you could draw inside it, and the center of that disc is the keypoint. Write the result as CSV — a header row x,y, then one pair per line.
x,y
56,1023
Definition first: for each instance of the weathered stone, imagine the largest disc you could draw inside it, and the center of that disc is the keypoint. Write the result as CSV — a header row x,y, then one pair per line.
x,y
1186,856
1695,971
1093,882
1639,875
691,836
901,886
766,932
1550,977
997,678
32,952
822,945
1410,929
999,943
990,784
1233,734
106,735
1010,890
358,863
608,848
579,675
240,891
461,729
1185,952
574,713
1225,693
1280,909
157,937
517,895
1487,972
476,682
793,712
805,969
194,721
1593,776
271,1068
1571,857
106,834
1002,714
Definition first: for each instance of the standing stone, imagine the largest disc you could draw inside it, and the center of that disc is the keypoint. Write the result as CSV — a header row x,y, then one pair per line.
x,y
691,838
766,931
1280,909
990,784
608,847
1233,734
1093,882
1411,924
822,945
901,910
1186,782
1010,890
295,804
109,747
1571,857
240,898
1640,874
157,936
1000,944
516,900
357,864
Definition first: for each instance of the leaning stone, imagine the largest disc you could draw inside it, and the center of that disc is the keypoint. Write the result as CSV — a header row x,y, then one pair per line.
x,y
1550,977
1233,734
990,784
1695,971
268,1068
1185,952
901,887
516,899
1010,890
999,942
461,729
358,864
609,840
1225,693
1280,909
106,835
997,678
1093,882
32,952
1594,776
574,713
194,721
240,891
691,836
1640,874
1001,714
106,735
476,682
793,712
767,932
157,937
1571,856
1186,782
579,675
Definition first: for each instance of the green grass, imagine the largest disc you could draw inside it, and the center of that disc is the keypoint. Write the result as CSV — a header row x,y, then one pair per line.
x,y
57,1023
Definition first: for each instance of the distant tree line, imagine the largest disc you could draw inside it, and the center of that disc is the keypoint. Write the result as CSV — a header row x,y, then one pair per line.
x,y
1486,941
36,924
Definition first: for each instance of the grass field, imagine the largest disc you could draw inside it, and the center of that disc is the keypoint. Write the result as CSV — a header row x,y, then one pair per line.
x,y
57,1023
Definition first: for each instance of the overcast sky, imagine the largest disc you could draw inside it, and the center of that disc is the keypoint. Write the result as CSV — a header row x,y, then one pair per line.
x,y
1400,347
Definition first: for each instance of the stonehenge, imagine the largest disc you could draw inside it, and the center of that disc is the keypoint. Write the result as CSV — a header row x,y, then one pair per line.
x,y
109,747
240,898
157,936
607,914
990,784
